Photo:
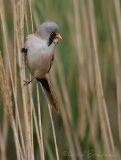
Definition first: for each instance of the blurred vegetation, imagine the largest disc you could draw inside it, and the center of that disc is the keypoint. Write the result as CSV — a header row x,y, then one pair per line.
x,y
86,76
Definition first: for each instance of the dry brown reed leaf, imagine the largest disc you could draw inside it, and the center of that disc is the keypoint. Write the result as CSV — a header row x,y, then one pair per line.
x,y
40,126
104,120
6,93
83,83
117,62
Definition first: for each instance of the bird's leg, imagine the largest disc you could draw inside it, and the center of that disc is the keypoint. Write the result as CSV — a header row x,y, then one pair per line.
x,y
27,82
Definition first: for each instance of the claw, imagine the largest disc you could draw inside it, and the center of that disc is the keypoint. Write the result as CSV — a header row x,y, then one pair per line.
x,y
27,82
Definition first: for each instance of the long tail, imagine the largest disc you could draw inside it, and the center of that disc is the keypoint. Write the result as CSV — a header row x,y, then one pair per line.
x,y
47,86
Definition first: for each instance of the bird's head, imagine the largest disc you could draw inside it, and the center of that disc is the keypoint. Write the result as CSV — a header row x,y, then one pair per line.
x,y
49,31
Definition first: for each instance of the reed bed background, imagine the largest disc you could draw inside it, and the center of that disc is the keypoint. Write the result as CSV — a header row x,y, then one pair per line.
x,y
86,76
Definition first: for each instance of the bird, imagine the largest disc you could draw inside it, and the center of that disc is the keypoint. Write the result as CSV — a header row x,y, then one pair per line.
x,y
38,52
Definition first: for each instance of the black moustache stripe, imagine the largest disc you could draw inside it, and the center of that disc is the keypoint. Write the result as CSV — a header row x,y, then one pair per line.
x,y
51,38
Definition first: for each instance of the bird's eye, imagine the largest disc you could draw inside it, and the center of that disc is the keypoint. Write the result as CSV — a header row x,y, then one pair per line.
x,y
52,34
52,37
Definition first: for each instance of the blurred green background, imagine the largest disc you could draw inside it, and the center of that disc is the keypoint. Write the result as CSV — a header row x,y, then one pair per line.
x,y
86,76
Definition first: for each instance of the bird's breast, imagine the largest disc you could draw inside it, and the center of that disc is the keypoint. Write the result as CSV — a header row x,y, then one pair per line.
x,y
39,55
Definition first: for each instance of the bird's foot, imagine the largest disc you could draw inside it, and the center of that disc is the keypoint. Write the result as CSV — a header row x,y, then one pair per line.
x,y
27,82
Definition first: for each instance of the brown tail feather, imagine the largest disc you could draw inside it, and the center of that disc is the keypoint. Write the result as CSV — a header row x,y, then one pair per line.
x,y
49,92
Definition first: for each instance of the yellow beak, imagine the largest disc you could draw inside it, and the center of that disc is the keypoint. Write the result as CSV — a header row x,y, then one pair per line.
x,y
58,36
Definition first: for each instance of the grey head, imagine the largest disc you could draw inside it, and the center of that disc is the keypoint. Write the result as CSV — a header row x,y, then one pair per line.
x,y
48,29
